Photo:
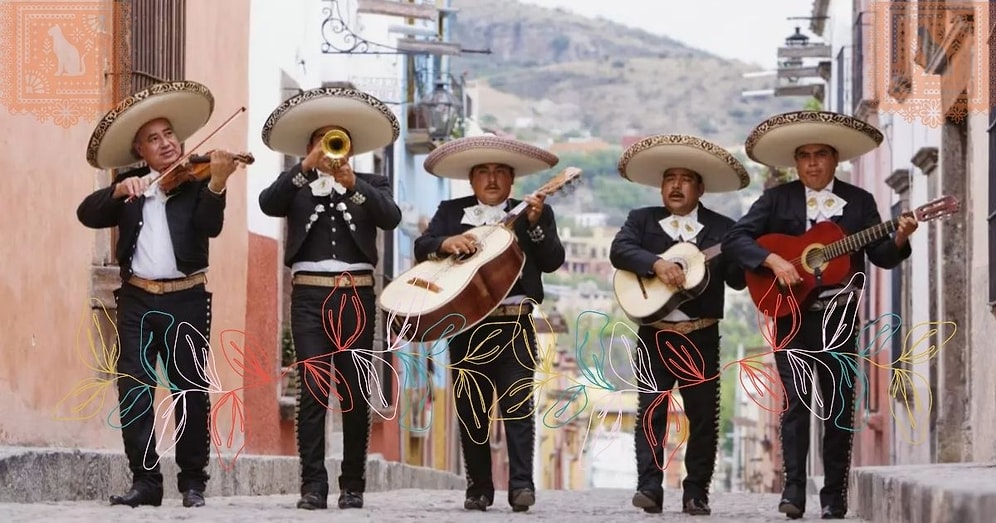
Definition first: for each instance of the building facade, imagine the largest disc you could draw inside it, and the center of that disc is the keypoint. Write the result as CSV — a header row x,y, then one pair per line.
x,y
920,72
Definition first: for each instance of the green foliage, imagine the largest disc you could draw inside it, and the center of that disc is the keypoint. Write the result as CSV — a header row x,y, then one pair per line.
x,y
813,105
287,352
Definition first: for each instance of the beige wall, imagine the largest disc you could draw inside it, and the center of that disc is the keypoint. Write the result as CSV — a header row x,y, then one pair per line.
x,y
47,253
981,323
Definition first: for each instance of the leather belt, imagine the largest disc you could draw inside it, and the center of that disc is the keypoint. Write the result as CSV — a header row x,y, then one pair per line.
x,y
512,310
168,286
684,327
338,280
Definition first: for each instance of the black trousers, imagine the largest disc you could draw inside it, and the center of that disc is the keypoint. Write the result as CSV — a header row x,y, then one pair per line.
x,y
496,358
836,374
326,325
701,402
155,327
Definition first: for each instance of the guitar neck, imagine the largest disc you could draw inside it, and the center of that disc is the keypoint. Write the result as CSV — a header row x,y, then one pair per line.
x,y
852,243
514,214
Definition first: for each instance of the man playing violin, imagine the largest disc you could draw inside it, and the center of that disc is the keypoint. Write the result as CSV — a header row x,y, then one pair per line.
x,y
814,142
683,168
333,216
162,250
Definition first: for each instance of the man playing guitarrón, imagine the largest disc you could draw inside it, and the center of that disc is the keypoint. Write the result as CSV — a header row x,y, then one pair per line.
x,y
814,142
492,164
683,167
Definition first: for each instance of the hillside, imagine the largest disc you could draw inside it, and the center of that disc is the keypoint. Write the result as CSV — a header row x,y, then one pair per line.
x,y
553,75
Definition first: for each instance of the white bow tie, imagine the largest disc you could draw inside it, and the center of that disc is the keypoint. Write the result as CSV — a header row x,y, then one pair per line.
x,y
822,205
482,214
681,228
325,184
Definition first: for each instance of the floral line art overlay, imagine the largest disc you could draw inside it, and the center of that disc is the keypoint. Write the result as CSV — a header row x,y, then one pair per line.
x,y
592,396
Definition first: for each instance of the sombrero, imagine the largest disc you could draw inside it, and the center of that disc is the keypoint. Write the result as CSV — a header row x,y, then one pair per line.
x,y
187,106
774,141
455,159
645,161
370,124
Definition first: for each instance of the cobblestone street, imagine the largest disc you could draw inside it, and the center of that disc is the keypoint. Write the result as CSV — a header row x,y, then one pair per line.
x,y
410,505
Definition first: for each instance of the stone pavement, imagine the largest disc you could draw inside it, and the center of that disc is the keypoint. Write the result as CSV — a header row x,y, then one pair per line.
x,y
589,506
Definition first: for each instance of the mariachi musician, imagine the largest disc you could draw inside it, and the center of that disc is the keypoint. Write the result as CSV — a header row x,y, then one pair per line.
x,y
163,254
814,142
333,215
492,164
683,168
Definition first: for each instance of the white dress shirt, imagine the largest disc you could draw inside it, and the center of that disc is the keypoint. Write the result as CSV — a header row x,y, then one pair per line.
x,y
154,258
682,228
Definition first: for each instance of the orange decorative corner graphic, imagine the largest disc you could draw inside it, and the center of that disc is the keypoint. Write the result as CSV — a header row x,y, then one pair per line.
x,y
53,56
930,59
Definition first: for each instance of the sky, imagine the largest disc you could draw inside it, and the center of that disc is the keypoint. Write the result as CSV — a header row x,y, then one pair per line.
x,y
750,31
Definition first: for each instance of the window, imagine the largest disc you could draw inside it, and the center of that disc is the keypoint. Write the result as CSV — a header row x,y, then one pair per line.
x,y
157,38
857,62
840,81
900,78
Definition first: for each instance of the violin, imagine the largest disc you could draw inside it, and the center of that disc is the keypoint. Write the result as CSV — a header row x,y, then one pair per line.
x,y
197,168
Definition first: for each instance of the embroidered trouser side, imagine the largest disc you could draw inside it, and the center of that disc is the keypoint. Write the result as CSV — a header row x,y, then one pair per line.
x,y
157,327
495,359
329,327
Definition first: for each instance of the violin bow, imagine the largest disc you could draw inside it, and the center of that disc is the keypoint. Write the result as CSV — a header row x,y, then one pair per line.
x,y
190,153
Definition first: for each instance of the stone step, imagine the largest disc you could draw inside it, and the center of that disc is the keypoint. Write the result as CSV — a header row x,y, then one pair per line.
x,y
29,475
938,493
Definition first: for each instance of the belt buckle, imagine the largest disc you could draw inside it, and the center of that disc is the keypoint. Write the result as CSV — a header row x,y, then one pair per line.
x,y
156,287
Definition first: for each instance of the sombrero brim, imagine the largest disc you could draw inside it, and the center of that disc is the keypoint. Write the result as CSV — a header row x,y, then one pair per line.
x,y
646,161
456,158
187,106
370,123
774,141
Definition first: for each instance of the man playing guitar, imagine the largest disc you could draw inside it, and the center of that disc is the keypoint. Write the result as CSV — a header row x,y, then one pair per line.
x,y
492,164
683,167
814,142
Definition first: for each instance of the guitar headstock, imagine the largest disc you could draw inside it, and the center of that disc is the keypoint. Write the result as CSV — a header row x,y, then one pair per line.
x,y
565,181
938,208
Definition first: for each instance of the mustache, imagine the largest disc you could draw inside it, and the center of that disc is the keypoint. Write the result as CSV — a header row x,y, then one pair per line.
x,y
676,193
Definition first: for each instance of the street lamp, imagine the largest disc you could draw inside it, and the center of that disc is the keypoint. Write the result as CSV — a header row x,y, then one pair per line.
x,y
439,111
797,39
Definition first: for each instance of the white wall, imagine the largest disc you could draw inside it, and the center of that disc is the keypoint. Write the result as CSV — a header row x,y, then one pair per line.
x,y
285,39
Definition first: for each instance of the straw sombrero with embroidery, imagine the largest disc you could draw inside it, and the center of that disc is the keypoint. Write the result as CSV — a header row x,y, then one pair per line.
x,y
370,123
455,159
187,106
645,162
774,141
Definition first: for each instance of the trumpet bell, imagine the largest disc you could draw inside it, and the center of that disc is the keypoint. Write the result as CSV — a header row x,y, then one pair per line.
x,y
335,144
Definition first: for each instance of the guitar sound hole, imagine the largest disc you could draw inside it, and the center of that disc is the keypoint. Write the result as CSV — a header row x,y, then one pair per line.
x,y
815,258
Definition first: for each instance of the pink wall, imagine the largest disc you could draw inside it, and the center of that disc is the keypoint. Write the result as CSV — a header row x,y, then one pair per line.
x,y
47,253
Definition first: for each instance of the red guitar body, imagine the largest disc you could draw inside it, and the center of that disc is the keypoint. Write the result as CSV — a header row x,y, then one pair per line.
x,y
769,297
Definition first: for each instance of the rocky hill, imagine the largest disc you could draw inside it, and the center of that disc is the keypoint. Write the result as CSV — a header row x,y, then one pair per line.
x,y
553,75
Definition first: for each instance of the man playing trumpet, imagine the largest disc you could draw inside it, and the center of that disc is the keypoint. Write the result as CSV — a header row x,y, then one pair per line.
x,y
333,214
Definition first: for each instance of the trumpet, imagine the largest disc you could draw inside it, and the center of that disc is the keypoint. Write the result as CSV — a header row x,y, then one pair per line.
x,y
336,145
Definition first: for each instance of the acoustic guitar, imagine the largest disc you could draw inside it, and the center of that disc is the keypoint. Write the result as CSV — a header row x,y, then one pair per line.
x,y
444,297
822,257
646,299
